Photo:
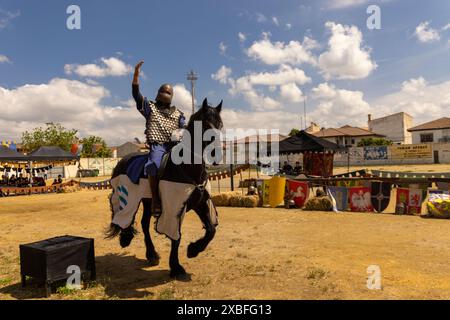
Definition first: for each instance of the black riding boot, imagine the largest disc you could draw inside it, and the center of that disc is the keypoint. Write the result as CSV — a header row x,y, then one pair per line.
x,y
156,202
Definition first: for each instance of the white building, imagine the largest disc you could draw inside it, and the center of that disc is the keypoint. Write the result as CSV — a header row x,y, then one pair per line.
x,y
433,131
394,127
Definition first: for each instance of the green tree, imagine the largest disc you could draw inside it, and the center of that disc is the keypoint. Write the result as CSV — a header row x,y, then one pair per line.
x,y
369,142
294,132
95,147
54,134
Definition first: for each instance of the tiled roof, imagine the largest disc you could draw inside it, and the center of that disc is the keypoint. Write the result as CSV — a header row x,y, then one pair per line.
x,y
278,137
442,123
345,131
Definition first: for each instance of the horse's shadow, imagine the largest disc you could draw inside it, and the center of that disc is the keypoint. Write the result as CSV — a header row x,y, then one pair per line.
x,y
122,277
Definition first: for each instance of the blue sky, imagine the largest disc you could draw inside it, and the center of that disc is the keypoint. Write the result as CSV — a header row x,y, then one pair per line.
x,y
402,67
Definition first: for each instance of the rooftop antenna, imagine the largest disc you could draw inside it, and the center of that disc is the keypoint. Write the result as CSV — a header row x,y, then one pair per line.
x,y
192,77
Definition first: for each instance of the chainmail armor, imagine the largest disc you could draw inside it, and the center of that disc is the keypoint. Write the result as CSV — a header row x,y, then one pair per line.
x,y
161,123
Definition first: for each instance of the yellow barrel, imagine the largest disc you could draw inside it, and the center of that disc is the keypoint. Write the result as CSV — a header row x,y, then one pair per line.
x,y
277,189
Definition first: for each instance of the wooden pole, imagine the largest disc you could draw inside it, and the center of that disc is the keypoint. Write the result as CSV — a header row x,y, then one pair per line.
x,y
240,182
231,177
348,160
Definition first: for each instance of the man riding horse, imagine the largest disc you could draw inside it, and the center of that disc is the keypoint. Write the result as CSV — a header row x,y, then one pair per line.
x,y
161,121
182,186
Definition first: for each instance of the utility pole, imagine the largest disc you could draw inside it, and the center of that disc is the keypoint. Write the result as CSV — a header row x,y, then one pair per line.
x,y
192,77
304,110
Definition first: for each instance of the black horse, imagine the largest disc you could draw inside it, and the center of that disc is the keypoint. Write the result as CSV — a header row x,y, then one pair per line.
x,y
194,173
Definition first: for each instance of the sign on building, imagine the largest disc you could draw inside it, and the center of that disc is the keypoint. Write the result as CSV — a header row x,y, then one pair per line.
x,y
415,151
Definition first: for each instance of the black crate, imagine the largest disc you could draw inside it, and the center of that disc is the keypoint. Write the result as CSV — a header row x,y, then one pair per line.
x,y
49,259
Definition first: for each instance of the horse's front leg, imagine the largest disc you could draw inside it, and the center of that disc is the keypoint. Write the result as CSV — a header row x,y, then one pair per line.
x,y
151,254
200,245
176,269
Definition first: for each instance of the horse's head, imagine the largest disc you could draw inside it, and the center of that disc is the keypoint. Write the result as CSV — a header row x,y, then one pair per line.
x,y
209,116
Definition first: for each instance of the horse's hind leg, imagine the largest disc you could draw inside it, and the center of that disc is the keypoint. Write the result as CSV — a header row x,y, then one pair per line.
x,y
151,254
200,245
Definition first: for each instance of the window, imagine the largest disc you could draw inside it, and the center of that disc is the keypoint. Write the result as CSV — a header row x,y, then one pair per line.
x,y
426,137
353,141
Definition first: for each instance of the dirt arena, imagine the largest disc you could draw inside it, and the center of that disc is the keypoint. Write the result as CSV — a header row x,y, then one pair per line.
x,y
257,253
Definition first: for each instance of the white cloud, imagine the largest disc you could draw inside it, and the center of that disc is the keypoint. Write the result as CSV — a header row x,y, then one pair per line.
x,y
335,107
242,37
291,93
345,57
344,4
107,67
425,33
6,17
72,103
182,99
281,120
77,105
340,4
278,53
259,101
284,75
445,28
222,48
414,85
425,102
260,17
222,75
4,59
288,26
275,21
338,106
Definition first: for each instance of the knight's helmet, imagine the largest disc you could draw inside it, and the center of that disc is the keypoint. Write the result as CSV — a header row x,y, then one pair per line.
x,y
165,94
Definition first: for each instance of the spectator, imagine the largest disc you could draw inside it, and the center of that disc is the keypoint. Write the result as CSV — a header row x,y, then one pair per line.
x,y
12,180
60,179
287,168
298,168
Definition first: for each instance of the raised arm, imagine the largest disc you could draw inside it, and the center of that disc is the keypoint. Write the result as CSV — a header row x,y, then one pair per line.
x,y
137,70
141,103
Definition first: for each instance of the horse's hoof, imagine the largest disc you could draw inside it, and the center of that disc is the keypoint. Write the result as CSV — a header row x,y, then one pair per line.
x,y
192,252
180,274
153,260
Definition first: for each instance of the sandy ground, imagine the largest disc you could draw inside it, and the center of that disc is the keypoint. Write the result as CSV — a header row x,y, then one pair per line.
x,y
257,253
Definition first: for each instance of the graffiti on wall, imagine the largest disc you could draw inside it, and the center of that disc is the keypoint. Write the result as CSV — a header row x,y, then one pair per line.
x,y
376,153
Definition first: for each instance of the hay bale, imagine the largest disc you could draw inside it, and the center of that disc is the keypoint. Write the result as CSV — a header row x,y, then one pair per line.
x,y
323,203
237,201
251,201
234,199
221,200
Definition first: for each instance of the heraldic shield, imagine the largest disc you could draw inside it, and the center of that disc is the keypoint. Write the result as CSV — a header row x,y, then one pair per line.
x,y
380,195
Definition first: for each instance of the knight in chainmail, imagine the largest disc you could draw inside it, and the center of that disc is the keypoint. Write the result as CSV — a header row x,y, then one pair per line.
x,y
162,119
